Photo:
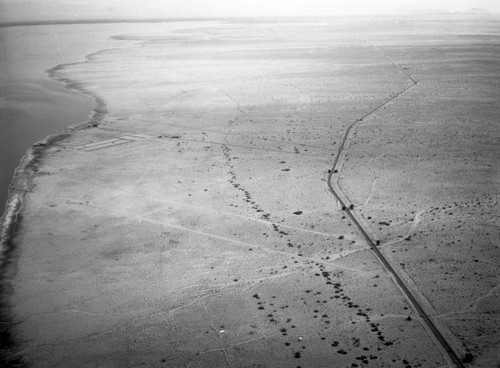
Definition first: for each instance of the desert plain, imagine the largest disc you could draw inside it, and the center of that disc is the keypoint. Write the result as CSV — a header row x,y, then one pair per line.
x,y
191,222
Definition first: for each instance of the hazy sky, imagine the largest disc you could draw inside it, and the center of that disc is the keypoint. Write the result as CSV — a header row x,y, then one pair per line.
x,y
21,10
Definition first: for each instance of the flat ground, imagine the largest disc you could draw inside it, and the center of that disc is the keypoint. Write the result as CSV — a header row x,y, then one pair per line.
x,y
193,226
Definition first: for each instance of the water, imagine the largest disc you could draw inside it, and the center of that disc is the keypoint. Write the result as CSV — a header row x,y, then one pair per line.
x,y
41,107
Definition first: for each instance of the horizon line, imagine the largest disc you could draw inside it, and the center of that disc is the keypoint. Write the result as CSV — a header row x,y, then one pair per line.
x,y
221,18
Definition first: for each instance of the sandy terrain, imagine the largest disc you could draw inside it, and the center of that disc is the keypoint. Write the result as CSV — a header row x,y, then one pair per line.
x,y
194,227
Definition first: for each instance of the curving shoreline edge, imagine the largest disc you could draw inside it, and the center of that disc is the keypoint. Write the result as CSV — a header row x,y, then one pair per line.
x,y
21,184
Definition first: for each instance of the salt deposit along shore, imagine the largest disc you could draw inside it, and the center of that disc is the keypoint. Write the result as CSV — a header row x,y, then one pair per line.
x,y
193,224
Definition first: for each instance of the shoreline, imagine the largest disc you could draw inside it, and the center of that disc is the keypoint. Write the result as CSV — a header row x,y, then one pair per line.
x,y
11,223
21,184
65,103
35,152
99,110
